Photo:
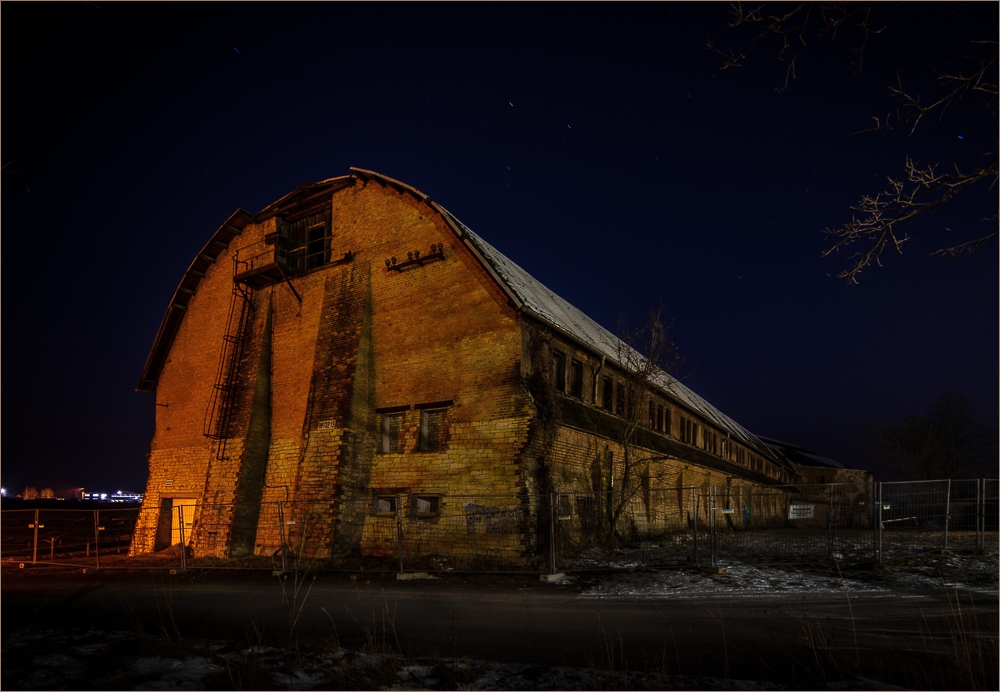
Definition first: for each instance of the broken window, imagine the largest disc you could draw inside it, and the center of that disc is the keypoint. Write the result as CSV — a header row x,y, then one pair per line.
x,y
426,505
391,426
559,370
564,510
607,395
385,505
576,379
430,430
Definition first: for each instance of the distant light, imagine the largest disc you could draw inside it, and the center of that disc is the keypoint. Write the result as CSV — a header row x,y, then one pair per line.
x,y
3,492
961,137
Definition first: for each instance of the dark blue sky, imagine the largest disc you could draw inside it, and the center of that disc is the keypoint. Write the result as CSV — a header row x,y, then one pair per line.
x,y
599,146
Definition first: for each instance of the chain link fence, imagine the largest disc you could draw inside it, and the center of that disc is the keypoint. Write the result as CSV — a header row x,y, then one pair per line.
x,y
572,531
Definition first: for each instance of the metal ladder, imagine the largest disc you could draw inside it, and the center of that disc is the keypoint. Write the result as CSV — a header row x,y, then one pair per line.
x,y
221,405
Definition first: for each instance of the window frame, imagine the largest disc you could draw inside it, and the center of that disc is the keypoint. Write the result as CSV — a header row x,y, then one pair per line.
x,y
384,434
423,430
384,495
435,502
559,370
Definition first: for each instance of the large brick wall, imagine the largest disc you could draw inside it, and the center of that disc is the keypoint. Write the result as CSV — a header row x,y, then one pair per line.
x,y
328,352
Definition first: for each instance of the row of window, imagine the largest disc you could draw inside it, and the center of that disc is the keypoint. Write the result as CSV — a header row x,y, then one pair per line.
x,y
387,505
617,400
430,434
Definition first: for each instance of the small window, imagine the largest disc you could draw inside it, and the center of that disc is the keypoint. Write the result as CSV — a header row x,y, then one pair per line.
x,y
559,370
425,505
385,505
564,510
576,379
391,425
607,395
430,430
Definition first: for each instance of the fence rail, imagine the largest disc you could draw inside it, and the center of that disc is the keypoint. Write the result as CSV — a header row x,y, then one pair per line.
x,y
645,527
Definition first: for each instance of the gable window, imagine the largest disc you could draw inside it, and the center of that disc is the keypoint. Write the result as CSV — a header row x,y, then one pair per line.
x,y
607,395
391,425
559,370
576,379
425,505
431,423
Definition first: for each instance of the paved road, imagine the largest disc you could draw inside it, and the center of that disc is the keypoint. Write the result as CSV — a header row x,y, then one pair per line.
x,y
516,619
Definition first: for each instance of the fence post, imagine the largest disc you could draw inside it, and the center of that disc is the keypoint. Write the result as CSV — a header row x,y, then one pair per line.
x,y
980,513
180,529
399,529
97,536
880,505
829,520
947,512
34,550
694,501
714,522
552,533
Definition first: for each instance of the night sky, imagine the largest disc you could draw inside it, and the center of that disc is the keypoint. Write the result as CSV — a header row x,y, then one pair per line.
x,y
598,146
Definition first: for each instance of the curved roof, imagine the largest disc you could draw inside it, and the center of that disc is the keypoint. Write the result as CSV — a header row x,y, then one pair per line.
x,y
524,291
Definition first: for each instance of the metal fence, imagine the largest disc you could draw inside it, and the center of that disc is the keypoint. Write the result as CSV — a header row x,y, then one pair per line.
x,y
53,535
645,527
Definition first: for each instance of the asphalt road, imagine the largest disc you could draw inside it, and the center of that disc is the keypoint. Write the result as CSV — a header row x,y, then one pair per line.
x,y
796,640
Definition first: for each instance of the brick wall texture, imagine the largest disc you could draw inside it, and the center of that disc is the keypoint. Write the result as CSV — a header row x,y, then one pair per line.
x,y
322,363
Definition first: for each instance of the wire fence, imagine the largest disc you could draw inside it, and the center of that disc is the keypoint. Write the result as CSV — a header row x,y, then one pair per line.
x,y
572,531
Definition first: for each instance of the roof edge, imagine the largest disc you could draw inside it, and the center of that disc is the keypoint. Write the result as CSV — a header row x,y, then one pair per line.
x,y
169,326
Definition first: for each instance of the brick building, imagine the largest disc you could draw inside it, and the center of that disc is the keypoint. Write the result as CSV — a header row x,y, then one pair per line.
x,y
353,347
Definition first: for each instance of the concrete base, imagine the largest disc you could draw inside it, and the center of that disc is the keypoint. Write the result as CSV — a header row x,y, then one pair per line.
x,y
552,577
407,576
718,569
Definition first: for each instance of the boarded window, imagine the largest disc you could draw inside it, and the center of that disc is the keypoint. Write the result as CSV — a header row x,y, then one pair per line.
x,y
426,505
576,379
559,370
391,426
431,424
607,394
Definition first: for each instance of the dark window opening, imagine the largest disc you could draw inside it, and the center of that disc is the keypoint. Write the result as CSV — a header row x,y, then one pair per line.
x,y
576,379
564,510
607,395
430,430
559,370
620,399
426,505
391,426
659,418
652,415
317,245
666,421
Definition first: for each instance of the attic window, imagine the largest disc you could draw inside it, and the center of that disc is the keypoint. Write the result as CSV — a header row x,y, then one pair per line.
x,y
425,505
